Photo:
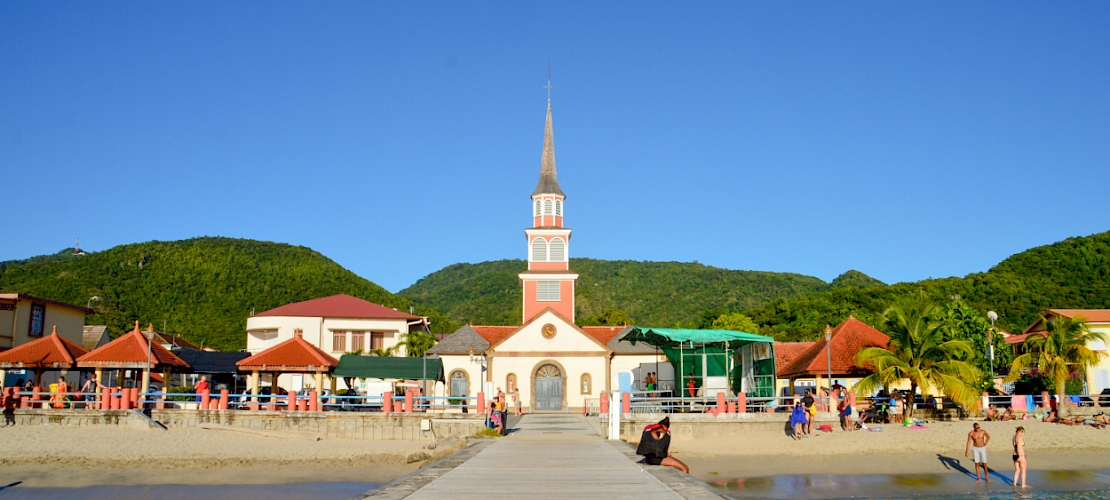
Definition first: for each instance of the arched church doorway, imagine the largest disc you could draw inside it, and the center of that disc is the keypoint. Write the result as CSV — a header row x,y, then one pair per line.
x,y
549,388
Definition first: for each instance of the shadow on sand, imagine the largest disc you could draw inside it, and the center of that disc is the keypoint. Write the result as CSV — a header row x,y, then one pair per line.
x,y
953,464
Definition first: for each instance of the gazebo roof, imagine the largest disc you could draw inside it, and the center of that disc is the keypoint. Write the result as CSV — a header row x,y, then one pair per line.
x,y
51,352
293,355
129,351
848,338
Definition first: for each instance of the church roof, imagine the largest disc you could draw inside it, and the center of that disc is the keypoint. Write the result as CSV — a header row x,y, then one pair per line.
x,y
549,180
480,338
461,342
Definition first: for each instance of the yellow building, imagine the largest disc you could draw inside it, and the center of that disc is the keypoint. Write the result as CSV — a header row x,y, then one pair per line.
x,y
1098,320
24,318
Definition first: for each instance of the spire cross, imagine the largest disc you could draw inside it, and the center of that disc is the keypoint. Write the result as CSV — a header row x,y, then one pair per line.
x,y
549,86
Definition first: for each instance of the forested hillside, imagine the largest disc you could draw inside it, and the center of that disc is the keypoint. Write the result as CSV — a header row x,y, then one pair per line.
x,y
1071,274
649,293
203,288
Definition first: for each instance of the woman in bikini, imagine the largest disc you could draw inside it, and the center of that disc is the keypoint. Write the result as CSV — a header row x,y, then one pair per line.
x,y
1019,455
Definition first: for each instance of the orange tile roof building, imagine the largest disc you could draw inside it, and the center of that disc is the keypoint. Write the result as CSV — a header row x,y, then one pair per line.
x,y
48,353
1098,320
295,355
810,360
129,352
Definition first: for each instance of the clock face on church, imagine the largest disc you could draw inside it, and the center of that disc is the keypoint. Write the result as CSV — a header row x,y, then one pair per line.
x,y
548,331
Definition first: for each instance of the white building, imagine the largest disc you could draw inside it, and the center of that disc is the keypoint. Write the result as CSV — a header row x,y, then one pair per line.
x,y
337,324
557,365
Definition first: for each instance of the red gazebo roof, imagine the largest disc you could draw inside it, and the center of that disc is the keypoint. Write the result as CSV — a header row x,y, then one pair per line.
x,y
848,339
51,351
293,355
129,351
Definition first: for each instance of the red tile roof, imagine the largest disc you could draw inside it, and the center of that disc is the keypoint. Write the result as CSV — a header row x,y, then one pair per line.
x,y
129,351
787,352
1020,339
848,338
293,355
51,351
1090,315
337,306
495,334
603,334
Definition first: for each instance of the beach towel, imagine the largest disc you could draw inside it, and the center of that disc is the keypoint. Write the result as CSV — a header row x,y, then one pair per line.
x,y
825,428
875,429
1029,406
918,427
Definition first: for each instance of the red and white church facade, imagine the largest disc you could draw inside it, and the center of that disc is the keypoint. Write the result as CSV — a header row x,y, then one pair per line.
x,y
556,364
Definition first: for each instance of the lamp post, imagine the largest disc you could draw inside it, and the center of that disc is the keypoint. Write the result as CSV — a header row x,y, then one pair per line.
x,y
426,357
828,361
146,376
993,316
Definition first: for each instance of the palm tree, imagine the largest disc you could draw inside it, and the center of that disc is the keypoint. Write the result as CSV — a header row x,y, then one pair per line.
x,y
918,353
382,351
1063,345
418,342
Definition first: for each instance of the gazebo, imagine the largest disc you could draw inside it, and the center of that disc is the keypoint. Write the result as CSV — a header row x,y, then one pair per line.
x,y
846,340
51,352
129,352
295,355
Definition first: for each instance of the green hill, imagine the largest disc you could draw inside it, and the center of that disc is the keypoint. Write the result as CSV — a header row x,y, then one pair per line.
x,y
653,293
1071,274
203,288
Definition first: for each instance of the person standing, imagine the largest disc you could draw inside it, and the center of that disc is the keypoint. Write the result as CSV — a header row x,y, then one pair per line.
x,y
201,386
977,441
1019,456
811,411
516,401
798,419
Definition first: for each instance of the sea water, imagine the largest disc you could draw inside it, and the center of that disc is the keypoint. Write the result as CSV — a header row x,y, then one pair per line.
x,y
315,491
1069,484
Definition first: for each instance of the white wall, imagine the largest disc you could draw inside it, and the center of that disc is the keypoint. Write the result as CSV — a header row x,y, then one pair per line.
x,y
318,331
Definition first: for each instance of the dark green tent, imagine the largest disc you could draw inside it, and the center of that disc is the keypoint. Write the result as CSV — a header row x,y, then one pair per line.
x,y
718,350
388,367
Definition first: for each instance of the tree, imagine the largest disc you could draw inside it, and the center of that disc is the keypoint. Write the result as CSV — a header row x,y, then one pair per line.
x,y
608,317
382,351
417,343
1062,347
918,353
960,321
736,322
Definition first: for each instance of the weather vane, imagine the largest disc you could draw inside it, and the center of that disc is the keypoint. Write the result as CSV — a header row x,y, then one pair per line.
x,y
549,86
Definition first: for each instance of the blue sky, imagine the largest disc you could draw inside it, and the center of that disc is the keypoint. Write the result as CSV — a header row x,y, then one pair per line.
x,y
907,141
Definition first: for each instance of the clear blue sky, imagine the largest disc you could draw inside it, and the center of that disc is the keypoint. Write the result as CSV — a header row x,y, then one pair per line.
x,y
905,140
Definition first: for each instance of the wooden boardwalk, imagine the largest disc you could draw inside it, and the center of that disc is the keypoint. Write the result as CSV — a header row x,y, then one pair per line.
x,y
556,457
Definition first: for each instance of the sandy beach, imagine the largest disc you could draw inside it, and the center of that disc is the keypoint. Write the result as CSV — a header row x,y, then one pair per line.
x,y
60,456
897,450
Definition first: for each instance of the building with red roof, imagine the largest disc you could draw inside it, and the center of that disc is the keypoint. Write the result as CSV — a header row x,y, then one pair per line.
x,y
295,355
51,352
129,352
1098,320
334,325
811,360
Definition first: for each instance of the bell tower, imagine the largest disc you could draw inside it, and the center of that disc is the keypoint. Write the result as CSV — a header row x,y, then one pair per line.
x,y
548,281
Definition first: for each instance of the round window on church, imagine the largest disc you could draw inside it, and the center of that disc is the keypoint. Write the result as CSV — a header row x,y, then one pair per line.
x,y
548,331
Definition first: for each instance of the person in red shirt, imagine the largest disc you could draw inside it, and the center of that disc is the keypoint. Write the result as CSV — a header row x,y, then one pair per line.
x,y
201,386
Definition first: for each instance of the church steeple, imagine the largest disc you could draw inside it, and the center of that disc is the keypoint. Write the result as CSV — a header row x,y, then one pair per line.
x,y
549,179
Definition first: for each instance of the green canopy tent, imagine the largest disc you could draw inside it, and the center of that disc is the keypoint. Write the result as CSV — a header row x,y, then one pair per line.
x,y
697,354
387,367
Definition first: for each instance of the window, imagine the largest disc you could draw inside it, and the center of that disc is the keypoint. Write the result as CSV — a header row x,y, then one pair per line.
x,y
338,341
510,382
585,383
559,208
460,383
377,340
358,341
547,291
556,252
38,320
547,207
539,250
537,208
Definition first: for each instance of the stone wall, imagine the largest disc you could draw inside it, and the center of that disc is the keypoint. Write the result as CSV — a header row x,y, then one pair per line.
x,y
338,425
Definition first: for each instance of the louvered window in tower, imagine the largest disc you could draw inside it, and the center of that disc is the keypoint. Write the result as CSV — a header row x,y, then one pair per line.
x,y
557,250
558,208
537,208
539,250
547,207
547,291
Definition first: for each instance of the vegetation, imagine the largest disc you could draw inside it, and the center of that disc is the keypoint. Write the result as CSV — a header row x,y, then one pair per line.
x,y
202,289
920,353
736,322
1074,273
1055,354
417,343
613,292
959,321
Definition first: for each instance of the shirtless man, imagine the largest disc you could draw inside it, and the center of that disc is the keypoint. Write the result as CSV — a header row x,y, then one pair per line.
x,y
977,441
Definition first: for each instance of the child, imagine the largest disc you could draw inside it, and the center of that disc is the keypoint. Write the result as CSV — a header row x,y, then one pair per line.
x,y
798,419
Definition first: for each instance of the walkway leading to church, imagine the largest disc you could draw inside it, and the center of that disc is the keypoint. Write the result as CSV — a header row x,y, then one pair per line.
x,y
548,456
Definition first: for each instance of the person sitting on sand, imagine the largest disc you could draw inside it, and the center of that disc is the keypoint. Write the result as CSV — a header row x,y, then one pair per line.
x,y
655,446
1050,416
1101,418
1009,415
798,419
993,414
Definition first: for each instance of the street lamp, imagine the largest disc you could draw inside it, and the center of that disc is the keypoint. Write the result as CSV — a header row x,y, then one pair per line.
x,y
828,360
993,316
426,357
146,376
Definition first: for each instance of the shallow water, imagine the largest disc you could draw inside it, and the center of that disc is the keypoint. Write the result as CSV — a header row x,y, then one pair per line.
x,y
1073,485
320,491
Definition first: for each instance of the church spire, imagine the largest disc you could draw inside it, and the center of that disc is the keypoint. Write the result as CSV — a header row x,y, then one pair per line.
x,y
549,180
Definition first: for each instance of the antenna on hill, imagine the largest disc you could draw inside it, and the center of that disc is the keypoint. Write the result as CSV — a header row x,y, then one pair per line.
x,y
77,248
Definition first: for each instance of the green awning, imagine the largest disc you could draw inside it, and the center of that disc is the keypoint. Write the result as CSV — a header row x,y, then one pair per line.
x,y
388,367
661,337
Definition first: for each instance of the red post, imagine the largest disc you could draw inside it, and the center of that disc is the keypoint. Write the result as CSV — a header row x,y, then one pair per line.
x,y
292,406
741,403
313,401
24,401
387,402
116,399
721,404
134,397
1047,401
626,402
224,396
302,404
205,399
408,401
482,402
105,399
36,396
732,406
604,403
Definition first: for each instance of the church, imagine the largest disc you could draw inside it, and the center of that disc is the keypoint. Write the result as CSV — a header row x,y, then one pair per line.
x,y
557,365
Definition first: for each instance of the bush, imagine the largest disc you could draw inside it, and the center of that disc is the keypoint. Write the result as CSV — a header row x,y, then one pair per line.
x,y
1035,381
180,390
486,431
